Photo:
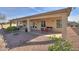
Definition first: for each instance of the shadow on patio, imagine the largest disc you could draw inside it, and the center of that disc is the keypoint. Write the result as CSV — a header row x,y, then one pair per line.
x,y
34,43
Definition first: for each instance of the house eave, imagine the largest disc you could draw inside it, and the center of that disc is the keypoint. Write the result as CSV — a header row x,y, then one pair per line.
x,y
66,11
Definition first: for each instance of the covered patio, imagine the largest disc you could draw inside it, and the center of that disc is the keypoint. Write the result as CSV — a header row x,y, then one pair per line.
x,y
50,22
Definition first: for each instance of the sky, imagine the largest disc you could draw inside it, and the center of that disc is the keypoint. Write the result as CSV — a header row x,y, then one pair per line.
x,y
16,12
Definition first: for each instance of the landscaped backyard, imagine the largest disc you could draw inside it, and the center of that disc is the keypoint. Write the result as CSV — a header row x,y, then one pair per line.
x,y
19,40
40,41
33,33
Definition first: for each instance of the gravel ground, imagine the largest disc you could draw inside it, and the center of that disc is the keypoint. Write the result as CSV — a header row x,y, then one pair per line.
x,y
27,42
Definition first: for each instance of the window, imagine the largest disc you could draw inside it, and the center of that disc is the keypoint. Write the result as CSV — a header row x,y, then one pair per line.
x,y
43,24
59,23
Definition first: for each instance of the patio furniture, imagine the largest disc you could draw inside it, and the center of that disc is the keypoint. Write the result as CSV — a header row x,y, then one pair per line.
x,y
43,29
25,29
49,28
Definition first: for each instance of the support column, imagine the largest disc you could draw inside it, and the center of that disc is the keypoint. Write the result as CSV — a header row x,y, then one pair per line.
x,y
28,25
64,27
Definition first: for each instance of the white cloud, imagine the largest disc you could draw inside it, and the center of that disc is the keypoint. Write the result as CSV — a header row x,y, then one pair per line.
x,y
74,18
35,9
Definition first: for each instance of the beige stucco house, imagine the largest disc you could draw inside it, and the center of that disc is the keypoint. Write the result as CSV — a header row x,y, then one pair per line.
x,y
55,21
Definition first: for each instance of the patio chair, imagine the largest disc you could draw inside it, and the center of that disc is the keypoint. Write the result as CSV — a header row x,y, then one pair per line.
x,y
48,29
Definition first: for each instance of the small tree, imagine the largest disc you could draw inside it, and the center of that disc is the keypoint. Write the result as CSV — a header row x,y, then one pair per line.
x,y
2,18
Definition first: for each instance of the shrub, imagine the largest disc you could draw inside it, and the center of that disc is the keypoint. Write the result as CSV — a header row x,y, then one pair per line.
x,y
10,29
59,45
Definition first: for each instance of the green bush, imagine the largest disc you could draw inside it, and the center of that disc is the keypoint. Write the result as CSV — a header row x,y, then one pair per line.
x,y
59,45
11,29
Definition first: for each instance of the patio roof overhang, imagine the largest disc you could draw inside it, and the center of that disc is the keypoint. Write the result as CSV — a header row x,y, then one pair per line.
x,y
57,13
